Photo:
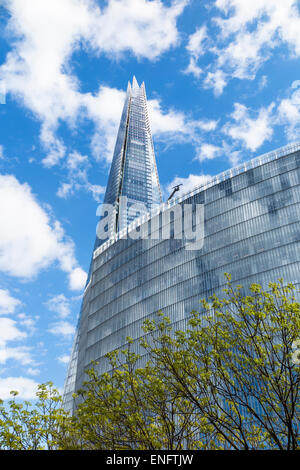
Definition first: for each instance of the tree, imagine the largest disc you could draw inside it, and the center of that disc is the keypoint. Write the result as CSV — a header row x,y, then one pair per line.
x,y
24,426
236,364
131,408
229,380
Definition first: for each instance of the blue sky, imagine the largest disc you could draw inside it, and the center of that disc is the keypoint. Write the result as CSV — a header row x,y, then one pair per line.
x,y
223,84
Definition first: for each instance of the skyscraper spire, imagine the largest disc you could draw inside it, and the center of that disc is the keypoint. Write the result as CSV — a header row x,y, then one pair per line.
x,y
133,176
133,171
135,85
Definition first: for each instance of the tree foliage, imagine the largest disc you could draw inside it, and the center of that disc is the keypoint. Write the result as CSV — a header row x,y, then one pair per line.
x,y
228,380
131,408
236,364
41,426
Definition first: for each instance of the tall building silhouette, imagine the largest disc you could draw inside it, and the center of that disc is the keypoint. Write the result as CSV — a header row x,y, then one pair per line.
x,y
251,230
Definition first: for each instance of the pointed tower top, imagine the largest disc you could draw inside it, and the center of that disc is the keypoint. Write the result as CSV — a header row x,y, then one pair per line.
x,y
143,88
133,145
135,83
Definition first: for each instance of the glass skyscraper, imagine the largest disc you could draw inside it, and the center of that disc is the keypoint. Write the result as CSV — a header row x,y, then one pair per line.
x,y
133,173
251,230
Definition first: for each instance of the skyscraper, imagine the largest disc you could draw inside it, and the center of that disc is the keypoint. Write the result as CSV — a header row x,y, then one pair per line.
x,y
133,175
251,230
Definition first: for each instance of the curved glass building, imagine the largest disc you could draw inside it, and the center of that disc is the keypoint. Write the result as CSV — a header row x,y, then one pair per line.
x,y
245,221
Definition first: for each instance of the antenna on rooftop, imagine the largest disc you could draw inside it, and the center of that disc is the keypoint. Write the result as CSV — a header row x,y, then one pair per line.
x,y
175,189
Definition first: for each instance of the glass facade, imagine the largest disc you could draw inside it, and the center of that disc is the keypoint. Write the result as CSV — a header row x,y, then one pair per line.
x,y
251,230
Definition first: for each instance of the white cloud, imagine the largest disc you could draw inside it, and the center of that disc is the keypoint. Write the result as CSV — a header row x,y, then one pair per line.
x,y
8,303
64,359
77,279
65,190
249,32
60,305
216,80
44,36
145,28
208,152
195,48
95,189
75,160
263,82
252,132
193,68
33,372
77,169
21,354
104,109
295,84
29,241
9,331
27,322
165,122
289,112
37,72
206,126
195,44
55,147
174,126
1,152
27,388
62,328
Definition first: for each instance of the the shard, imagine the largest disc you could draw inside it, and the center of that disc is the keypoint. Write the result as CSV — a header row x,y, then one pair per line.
x,y
133,173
